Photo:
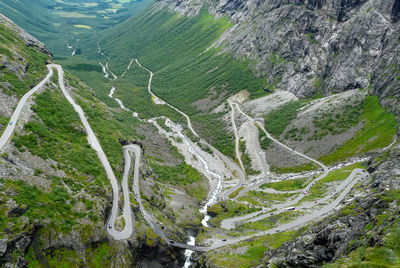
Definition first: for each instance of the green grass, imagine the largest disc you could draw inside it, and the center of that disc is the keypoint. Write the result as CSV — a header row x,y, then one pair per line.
x,y
40,206
229,209
181,174
276,121
246,160
378,132
288,185
337,122
294,169
212,128
36,70
235,193
60,137
264,199
197,191
3,121
319,189
95,255
264,141
269,222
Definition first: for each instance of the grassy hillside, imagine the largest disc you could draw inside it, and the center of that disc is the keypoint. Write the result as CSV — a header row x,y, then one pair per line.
x,y
378,132
23,66
178,49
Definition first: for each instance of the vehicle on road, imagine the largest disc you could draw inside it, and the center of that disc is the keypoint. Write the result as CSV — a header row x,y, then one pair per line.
x,y
110,226
10,123
316,202
272,214
290,208
172,242
277,230
223,240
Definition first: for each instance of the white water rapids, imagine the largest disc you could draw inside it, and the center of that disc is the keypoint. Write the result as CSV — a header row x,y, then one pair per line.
x,y
218,187
188,252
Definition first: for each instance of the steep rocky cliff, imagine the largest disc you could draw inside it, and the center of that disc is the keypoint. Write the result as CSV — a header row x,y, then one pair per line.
x,y
369,219
309,46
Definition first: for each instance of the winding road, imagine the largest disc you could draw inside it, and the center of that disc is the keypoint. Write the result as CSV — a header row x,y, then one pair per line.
x,y
345,187
17,112
298,222
237,140
269,136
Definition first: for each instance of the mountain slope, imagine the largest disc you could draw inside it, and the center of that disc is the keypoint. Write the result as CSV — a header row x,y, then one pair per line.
x,y
55,195
313,46
320,76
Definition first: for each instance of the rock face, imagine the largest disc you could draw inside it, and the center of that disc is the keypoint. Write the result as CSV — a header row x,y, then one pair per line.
x,y
343,232
326,46
308,46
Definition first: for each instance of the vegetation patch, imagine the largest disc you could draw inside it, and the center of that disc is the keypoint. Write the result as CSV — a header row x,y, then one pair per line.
x,y
295,169
264,141
287,185
259,198
229,209
246,159
254,253
95,255
276,121
236,192
60,137
10,45
386,255
270,222
319,189
181,174
38,206
378,131
337,122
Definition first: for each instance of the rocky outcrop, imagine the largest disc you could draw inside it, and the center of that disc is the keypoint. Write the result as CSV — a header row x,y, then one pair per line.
x,y
308,46
396,11
24,36
340,234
